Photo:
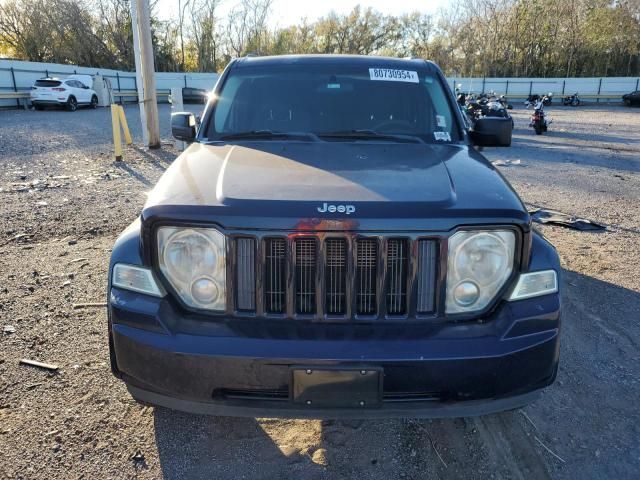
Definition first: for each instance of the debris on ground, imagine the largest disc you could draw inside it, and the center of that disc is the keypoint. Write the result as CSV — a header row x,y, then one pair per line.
x,y
508,163
139,460
552,217
35,363
78,306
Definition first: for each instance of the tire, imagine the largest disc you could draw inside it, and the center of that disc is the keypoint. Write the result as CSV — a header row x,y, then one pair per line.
x,y
38,107
72,104
627,102
538,128
94,102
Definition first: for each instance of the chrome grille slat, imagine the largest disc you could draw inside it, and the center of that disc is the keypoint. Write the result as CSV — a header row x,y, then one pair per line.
x,y
427,260
305,271
275,271
245,274
366,276
396,276
335,276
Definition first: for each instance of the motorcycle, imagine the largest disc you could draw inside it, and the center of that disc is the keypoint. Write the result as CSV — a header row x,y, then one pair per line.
x,y
503,100
538,120
532,99
572,100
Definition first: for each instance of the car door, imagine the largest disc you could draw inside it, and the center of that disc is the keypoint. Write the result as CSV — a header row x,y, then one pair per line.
x,y
79,92
86,91
73,89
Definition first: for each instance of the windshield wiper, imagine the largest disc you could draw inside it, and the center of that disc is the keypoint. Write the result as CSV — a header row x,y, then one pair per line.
x,y
267,134
370,134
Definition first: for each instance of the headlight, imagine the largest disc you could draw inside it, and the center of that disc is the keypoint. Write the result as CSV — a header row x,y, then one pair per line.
x,y
193,261
478,265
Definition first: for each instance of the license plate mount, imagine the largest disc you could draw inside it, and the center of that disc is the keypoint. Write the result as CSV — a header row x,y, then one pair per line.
x,y
338,387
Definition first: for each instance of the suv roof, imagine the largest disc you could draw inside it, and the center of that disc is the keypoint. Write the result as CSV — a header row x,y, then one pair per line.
x,y
364,60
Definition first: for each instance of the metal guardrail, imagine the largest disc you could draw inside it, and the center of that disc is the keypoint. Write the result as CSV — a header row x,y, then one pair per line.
x,y
9,95
134,93
22,97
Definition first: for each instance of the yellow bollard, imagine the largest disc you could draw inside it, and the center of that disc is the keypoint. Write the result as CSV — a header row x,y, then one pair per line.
x,y
117,140
125,126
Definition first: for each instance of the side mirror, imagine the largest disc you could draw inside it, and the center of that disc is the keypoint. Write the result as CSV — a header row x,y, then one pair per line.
x,y
85,87
183,126
491,132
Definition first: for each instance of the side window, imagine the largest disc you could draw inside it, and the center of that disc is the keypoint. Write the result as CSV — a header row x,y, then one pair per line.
x,y
227,111
443,115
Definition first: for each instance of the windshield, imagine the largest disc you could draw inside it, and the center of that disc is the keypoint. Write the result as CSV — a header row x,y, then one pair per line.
x,y
336,102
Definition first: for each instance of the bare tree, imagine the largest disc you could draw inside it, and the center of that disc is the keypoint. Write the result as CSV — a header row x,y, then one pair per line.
x,y
247,26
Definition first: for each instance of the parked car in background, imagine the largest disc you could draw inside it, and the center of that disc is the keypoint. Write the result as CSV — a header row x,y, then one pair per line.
x,y
632,98
332,244
194,95
69,93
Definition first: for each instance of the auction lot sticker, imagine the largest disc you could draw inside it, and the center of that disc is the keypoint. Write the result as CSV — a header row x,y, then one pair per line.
x,y
392,75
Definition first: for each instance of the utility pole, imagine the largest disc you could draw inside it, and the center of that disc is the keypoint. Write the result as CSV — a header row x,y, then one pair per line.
x,y
138,60
143,52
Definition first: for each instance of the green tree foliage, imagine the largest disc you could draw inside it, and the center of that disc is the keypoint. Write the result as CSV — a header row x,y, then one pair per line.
x,y
470,38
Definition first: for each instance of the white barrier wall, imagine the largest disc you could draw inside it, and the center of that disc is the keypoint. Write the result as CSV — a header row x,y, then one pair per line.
x,y
615,86
17,75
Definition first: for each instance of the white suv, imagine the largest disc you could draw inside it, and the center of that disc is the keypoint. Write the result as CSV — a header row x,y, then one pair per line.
x,y
70,93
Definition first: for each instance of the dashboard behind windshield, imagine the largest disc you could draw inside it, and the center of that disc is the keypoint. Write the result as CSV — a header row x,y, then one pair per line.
x,y
324,98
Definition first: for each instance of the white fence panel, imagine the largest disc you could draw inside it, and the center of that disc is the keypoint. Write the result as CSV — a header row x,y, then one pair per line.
x,y
26,73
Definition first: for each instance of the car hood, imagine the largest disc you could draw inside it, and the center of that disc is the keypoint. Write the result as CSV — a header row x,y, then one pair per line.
x,y
344,184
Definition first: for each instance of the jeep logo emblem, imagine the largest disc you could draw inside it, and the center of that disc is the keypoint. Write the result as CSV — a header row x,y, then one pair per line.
x,y
328,207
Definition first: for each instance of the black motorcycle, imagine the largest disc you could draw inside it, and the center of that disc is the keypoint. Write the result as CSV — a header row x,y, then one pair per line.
x,y
532,99
571,100
538,120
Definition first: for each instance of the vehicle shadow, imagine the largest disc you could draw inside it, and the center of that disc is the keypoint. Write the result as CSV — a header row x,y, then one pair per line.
x,y
207,447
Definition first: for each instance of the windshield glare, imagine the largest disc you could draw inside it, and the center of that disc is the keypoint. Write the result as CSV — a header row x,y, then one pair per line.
x,y
323,99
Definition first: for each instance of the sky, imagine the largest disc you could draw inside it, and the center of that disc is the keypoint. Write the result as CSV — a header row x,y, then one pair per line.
x,y
289,12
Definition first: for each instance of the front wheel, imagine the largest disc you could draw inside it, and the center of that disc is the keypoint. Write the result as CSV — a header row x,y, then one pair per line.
x,y
94,102
72,104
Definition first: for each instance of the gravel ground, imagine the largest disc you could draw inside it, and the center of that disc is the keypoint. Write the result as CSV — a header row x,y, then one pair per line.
x,y
64,201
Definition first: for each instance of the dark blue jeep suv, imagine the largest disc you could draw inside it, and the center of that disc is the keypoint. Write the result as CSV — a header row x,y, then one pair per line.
x,y
331,244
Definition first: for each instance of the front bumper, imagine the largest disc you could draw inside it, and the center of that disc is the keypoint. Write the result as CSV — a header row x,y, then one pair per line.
x,y
243,368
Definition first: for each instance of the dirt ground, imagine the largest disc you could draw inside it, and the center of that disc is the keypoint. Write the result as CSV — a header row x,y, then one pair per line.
x,y
63,201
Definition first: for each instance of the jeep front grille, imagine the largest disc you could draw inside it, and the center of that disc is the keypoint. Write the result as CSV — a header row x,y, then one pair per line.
x,y
427,259
245,274
366,276
305,267
335,276
396,276
275,275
